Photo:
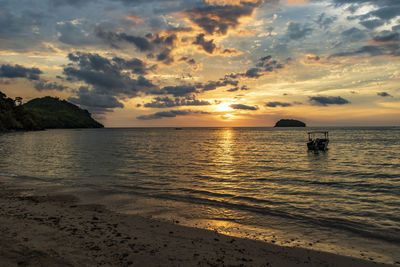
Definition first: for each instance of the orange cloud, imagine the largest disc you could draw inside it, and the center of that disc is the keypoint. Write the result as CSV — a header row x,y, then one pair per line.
x,y
137,20
296,2
228,2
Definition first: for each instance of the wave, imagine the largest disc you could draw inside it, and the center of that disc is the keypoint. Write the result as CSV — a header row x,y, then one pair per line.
x,y
360,228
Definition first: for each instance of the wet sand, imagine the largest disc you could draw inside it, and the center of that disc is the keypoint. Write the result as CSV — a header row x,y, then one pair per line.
x,y
55,230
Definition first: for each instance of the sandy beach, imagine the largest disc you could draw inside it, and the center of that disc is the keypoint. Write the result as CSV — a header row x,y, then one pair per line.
x,y
55,230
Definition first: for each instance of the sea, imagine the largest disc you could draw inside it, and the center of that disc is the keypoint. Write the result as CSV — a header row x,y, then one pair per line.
x,y
258,183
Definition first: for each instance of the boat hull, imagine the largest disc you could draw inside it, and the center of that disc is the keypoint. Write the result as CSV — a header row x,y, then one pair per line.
x,y
320,145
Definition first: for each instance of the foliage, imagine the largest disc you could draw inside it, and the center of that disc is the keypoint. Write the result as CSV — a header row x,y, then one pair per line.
x,y
43,113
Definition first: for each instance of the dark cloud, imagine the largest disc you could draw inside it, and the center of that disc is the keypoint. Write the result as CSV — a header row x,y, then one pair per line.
x,y
108,78
384,94
190,89
207,46
220,18
234,89
169,114
328,100
264,65
243,107
253,73
372,50
387,36
385,10
178,90
114,39
324,21
13,25
77,3
166,102
354,34
313,57
165,56
136,65
74,34
372,24
296,31
190,61
386,13
18,71
212,85
277,104
153,43
45,85
268,64
96,102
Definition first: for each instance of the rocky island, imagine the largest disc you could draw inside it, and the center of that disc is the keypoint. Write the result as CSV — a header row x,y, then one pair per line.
x,y
289,123
43,113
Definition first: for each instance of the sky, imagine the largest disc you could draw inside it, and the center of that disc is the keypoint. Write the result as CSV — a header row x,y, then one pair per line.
x,y
139,63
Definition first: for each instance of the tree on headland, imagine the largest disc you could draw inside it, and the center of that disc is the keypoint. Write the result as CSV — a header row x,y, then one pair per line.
x,y
42,113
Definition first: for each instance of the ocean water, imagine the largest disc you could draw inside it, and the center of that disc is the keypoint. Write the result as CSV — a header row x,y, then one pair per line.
x,y
258,183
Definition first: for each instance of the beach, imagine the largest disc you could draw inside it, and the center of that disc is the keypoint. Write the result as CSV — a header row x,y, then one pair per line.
x,y
57,230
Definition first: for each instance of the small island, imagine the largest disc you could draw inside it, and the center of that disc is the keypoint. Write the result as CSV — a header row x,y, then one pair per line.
x,y
289,123
42,113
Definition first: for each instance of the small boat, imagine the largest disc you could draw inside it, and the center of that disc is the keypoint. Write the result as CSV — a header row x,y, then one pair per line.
x,y
318,140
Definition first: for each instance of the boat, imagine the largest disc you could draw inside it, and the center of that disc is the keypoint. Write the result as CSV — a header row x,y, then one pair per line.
x,y
318,140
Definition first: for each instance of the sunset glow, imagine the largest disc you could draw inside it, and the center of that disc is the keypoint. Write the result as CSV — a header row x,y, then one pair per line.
x,y
156,63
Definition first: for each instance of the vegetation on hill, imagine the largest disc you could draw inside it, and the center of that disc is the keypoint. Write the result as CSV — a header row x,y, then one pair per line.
x,y
43,113
290,123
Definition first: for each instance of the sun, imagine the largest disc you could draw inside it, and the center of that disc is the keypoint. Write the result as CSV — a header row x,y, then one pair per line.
x,y
227,116
224,107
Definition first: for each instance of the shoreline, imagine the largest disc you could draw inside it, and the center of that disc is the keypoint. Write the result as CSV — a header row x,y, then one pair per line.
x,y
55,230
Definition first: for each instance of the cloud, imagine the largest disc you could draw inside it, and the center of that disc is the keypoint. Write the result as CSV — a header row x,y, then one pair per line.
x,y
325,22
328,100
166,102
313,58
207,46
372,24
136,65
385,10
212,85
243,107
95,101
73,34
219,19
45,85
296,31
12,25
234,89
77,3
264,65
371,50
162,44
18,71
384,94
107,78
114,39
190,61
277,104
169,114
178,90
354,34
387,36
